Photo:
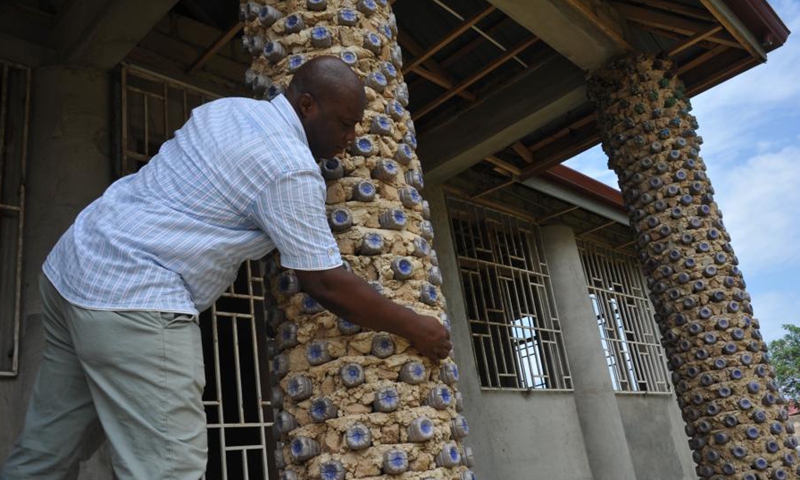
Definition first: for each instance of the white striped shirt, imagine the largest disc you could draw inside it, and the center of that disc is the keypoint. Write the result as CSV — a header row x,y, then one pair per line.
x,y
237,181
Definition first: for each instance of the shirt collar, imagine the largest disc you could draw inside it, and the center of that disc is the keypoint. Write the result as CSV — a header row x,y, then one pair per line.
x,y
287,112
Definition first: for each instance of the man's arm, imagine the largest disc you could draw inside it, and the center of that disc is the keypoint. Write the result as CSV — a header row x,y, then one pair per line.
x,y
350,297
291,210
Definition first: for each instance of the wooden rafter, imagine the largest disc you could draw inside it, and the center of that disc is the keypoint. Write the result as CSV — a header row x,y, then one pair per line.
x,y
474,78
503,165
693,40
212,49
475,42
673,23
735,28
523,152
558,213
678,8
596,229
700,59
545,163
443,82
561,133
448,38
433,72
609,30
705,43
624,245
488,203
501,186
480,32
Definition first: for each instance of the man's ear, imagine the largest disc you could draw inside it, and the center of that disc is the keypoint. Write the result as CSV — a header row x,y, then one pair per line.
x,y
307,105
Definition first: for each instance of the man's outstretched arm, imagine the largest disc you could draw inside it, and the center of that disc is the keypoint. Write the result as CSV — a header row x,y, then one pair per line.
x,y
350,297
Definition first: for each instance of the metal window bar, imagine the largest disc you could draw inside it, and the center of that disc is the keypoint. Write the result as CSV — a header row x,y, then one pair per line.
x,y
153,107
15,96
516,334
239,416
624,314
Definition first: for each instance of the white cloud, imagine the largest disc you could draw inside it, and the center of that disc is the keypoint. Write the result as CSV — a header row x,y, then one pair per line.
x,y
771,310
761,202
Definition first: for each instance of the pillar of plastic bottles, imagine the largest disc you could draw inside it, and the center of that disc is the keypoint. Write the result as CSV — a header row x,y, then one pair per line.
x,y
735,416
352,403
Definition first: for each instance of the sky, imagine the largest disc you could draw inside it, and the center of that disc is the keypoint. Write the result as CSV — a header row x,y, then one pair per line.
x,y
751,132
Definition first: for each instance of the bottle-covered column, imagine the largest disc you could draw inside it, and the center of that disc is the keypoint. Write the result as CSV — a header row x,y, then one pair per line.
x,y
735,417
355,403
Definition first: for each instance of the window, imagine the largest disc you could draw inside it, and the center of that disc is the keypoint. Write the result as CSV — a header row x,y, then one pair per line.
x,y
234,338
15,83
624,316
153,107
516,335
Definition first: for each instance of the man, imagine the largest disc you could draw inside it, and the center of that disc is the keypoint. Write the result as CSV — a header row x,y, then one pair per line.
x,y
123,287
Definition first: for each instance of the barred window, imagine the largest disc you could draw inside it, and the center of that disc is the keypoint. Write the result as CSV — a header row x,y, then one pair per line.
x,y
624,314
15,81
153,108
516,334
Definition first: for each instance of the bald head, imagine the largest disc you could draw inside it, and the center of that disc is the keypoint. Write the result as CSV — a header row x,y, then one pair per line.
x,y
327,79
329,99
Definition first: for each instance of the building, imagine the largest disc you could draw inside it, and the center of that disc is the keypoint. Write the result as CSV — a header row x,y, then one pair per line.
x,y
563,375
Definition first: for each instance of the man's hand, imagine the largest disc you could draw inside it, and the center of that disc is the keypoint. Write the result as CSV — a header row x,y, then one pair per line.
x,y
350,297
430,338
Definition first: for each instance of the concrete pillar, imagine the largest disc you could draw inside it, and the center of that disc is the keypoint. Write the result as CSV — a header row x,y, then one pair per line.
x,y
68,167
598,413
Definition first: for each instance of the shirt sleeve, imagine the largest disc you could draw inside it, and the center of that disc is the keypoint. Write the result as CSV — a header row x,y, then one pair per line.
x,y
291,210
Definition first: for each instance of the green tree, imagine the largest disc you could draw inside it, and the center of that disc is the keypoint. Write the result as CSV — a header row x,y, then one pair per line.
x,y
785,356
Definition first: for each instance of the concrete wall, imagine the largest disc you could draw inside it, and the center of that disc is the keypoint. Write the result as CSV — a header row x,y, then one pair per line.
x,y
539,435
68,167
654,429
515,435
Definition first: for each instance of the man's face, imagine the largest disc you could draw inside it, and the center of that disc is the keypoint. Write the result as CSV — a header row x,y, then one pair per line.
x,y
330,123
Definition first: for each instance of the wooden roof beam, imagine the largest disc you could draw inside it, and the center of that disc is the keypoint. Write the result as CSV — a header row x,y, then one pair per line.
x,y
514,171
212,49
705,43
700,59
474,43
693,40
545,163
433,72
443,82
523,152
561,133
596,229
678,8
674,24
474,78
501,186
736,28
449,38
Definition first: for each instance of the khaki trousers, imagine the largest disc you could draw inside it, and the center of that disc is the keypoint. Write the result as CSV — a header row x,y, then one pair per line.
x,y
134,378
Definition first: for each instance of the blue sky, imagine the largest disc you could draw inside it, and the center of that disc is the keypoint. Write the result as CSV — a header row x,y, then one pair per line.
x,y
751,131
